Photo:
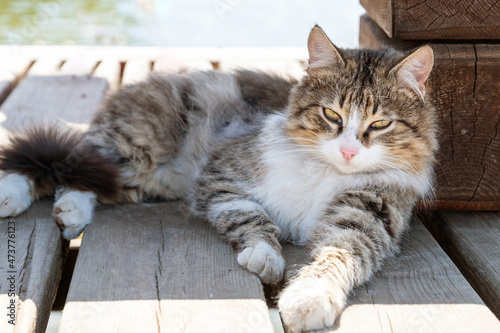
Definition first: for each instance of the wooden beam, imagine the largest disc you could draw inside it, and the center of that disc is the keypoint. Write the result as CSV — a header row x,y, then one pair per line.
x,y
156,268
436,19
465,89
421,290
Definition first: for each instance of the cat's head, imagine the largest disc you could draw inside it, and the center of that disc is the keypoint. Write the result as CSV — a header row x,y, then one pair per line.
x,y
364,111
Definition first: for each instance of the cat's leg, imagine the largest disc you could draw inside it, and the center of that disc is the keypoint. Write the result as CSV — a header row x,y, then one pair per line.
x,y
251,233
359,231
16,194
73,210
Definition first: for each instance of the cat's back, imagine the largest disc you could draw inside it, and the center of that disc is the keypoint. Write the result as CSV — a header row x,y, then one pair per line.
x,y
161,131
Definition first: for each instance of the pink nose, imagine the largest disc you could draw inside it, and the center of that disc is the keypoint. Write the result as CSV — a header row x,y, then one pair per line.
x,y
348,153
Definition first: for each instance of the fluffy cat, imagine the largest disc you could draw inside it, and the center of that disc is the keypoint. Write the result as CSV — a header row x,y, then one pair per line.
x,y
336,161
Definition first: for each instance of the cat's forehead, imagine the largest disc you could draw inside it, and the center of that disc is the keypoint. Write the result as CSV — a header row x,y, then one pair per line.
x,y
363,85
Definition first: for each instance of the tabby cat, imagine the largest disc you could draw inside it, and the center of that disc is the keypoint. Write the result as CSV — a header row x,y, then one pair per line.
x,y
336,161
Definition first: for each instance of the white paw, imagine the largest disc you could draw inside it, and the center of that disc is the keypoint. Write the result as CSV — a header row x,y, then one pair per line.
x,y
263,260
310,304
15,195
73,211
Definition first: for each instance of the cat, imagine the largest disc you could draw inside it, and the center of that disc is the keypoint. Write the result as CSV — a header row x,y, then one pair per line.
x,y
336,160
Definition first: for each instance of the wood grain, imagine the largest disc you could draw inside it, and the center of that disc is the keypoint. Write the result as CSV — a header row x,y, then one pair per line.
x,y
156,263
67,98
421,290
465,88
436,19
471,239
39,253
40,249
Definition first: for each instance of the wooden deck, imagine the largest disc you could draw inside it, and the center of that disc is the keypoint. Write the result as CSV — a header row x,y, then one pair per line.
x,y
155,268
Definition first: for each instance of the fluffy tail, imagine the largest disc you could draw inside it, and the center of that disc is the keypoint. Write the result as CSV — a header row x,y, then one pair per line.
x,y
52,157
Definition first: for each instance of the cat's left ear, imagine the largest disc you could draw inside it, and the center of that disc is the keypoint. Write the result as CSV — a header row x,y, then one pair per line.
x,y
413,71
322,52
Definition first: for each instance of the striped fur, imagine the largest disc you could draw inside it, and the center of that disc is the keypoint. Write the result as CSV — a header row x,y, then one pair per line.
x,y
264,159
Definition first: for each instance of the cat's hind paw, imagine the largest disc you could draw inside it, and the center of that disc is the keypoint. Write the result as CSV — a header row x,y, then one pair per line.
x,y
73,211
264,261
15,195
310,304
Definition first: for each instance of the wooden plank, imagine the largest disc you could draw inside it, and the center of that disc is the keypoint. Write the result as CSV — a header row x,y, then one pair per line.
x,y
465,89
39,247
53,98
79,64
109,69
471,239
12,69
177,65
159,269
421,290
47,66
436,19
294,68
38,257
136,70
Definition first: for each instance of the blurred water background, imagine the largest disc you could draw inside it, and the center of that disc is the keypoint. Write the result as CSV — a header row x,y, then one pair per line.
x,y
214,23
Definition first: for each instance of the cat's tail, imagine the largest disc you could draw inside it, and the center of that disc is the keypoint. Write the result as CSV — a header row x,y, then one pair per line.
x,y
52,157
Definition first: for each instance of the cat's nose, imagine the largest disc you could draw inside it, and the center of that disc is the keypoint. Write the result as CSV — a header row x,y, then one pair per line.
x,y
348,153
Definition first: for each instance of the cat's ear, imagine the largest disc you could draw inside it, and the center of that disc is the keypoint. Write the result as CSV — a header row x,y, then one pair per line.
x,y
322,52
413,71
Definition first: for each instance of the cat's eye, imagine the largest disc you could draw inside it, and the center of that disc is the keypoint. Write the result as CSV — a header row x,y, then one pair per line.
x,y
381,124
332,115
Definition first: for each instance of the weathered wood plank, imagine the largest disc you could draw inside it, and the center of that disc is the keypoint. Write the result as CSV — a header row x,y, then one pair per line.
x,y
465,89
295,68
109,69
421,290
37,263
39,247
436,19
178,65
53,98
155,268
47,66
472,240
79,65
12,70
136,70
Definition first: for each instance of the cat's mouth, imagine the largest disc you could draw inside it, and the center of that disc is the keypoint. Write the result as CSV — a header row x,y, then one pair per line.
x,y
348,167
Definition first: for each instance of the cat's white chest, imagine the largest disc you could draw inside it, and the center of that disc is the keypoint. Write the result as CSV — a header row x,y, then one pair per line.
x,y
295,190
295,197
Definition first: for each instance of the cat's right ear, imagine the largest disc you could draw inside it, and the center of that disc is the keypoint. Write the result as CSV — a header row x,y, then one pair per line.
x,y
322,52
414,70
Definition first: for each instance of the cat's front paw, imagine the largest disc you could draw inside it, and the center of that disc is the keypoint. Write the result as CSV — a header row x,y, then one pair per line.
x,y
264,261
73,211
310,304
15,195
